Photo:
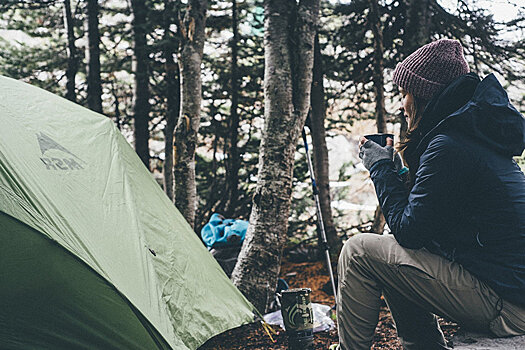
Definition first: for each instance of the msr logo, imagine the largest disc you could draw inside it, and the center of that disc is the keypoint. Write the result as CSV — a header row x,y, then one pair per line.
x,y
53,155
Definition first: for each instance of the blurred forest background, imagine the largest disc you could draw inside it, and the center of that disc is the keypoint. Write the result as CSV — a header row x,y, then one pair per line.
x,y
137,62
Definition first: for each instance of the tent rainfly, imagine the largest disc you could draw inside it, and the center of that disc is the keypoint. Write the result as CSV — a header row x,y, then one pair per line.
x,y
93,255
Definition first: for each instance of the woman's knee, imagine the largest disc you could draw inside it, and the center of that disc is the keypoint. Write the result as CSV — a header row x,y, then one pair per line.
x,y
355,246
369,244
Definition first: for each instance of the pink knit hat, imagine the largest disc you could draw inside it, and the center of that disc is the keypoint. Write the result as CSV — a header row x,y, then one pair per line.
x,y
431,67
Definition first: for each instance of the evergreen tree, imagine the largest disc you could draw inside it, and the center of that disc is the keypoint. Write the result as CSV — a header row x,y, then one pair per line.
x,y
216,124
72,60
141,93
94,84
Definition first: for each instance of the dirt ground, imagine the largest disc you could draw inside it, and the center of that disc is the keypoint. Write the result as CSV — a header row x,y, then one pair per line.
x,y
311,275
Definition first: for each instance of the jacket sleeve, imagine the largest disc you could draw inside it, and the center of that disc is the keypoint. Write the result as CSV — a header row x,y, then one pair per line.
x,y
416,217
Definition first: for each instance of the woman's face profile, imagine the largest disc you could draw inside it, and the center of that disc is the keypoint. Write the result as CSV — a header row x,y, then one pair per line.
x,y
407,105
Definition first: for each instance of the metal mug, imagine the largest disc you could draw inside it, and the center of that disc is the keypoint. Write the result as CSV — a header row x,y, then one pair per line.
x,y
296,309
380,139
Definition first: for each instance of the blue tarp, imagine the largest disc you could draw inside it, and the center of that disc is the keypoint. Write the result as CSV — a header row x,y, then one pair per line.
x,y
220,231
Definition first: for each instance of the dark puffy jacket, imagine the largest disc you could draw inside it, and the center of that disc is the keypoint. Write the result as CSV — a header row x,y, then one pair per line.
x,y
468,198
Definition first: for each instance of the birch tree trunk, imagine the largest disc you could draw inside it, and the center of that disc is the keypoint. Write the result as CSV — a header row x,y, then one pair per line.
x,y
94,85
193,36
172,97
320,150
289,41
375,20
141,106
72,61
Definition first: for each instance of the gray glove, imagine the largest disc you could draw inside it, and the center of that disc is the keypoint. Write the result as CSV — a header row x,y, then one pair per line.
x,y
370,152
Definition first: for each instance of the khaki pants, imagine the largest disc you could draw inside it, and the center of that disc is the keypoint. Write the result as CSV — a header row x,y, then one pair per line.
x,y
416,285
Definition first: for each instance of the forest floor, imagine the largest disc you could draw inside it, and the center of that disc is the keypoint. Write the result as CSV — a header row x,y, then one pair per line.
x,y
312,275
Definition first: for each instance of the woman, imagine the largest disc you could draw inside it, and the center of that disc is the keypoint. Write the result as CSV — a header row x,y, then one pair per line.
x,y
458,243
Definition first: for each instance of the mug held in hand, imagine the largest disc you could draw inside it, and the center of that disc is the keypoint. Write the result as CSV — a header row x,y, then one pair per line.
x,y
380,139
371,152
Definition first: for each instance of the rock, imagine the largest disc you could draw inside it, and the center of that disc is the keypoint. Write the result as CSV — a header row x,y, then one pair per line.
x,y
476,341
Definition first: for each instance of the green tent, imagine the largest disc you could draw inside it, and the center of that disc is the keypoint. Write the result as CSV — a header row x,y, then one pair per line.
x,y
93,255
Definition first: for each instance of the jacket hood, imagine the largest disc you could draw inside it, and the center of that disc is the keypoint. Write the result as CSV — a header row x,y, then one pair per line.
x,y
487,115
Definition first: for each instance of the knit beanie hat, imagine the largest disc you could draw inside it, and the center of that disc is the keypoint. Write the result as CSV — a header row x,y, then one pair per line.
x,y
431,68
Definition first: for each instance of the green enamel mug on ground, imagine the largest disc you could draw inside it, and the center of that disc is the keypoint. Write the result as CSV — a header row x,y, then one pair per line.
x,y
296,310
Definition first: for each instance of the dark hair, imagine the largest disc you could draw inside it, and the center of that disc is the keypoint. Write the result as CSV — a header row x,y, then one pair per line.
x,y
417,111
412,136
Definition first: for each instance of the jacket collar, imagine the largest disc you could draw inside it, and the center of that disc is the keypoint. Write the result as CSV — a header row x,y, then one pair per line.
x,y
486,115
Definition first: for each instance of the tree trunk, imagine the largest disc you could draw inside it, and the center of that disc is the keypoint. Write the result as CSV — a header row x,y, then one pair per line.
x,y
417,29
378,79
378,226
233,160
141,106
94,84
72,63
417,34
116,106
193,36
375,21
173,97
288,40
320,150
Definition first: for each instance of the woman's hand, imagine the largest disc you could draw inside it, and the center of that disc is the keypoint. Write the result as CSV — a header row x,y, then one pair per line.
x,y
370,152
